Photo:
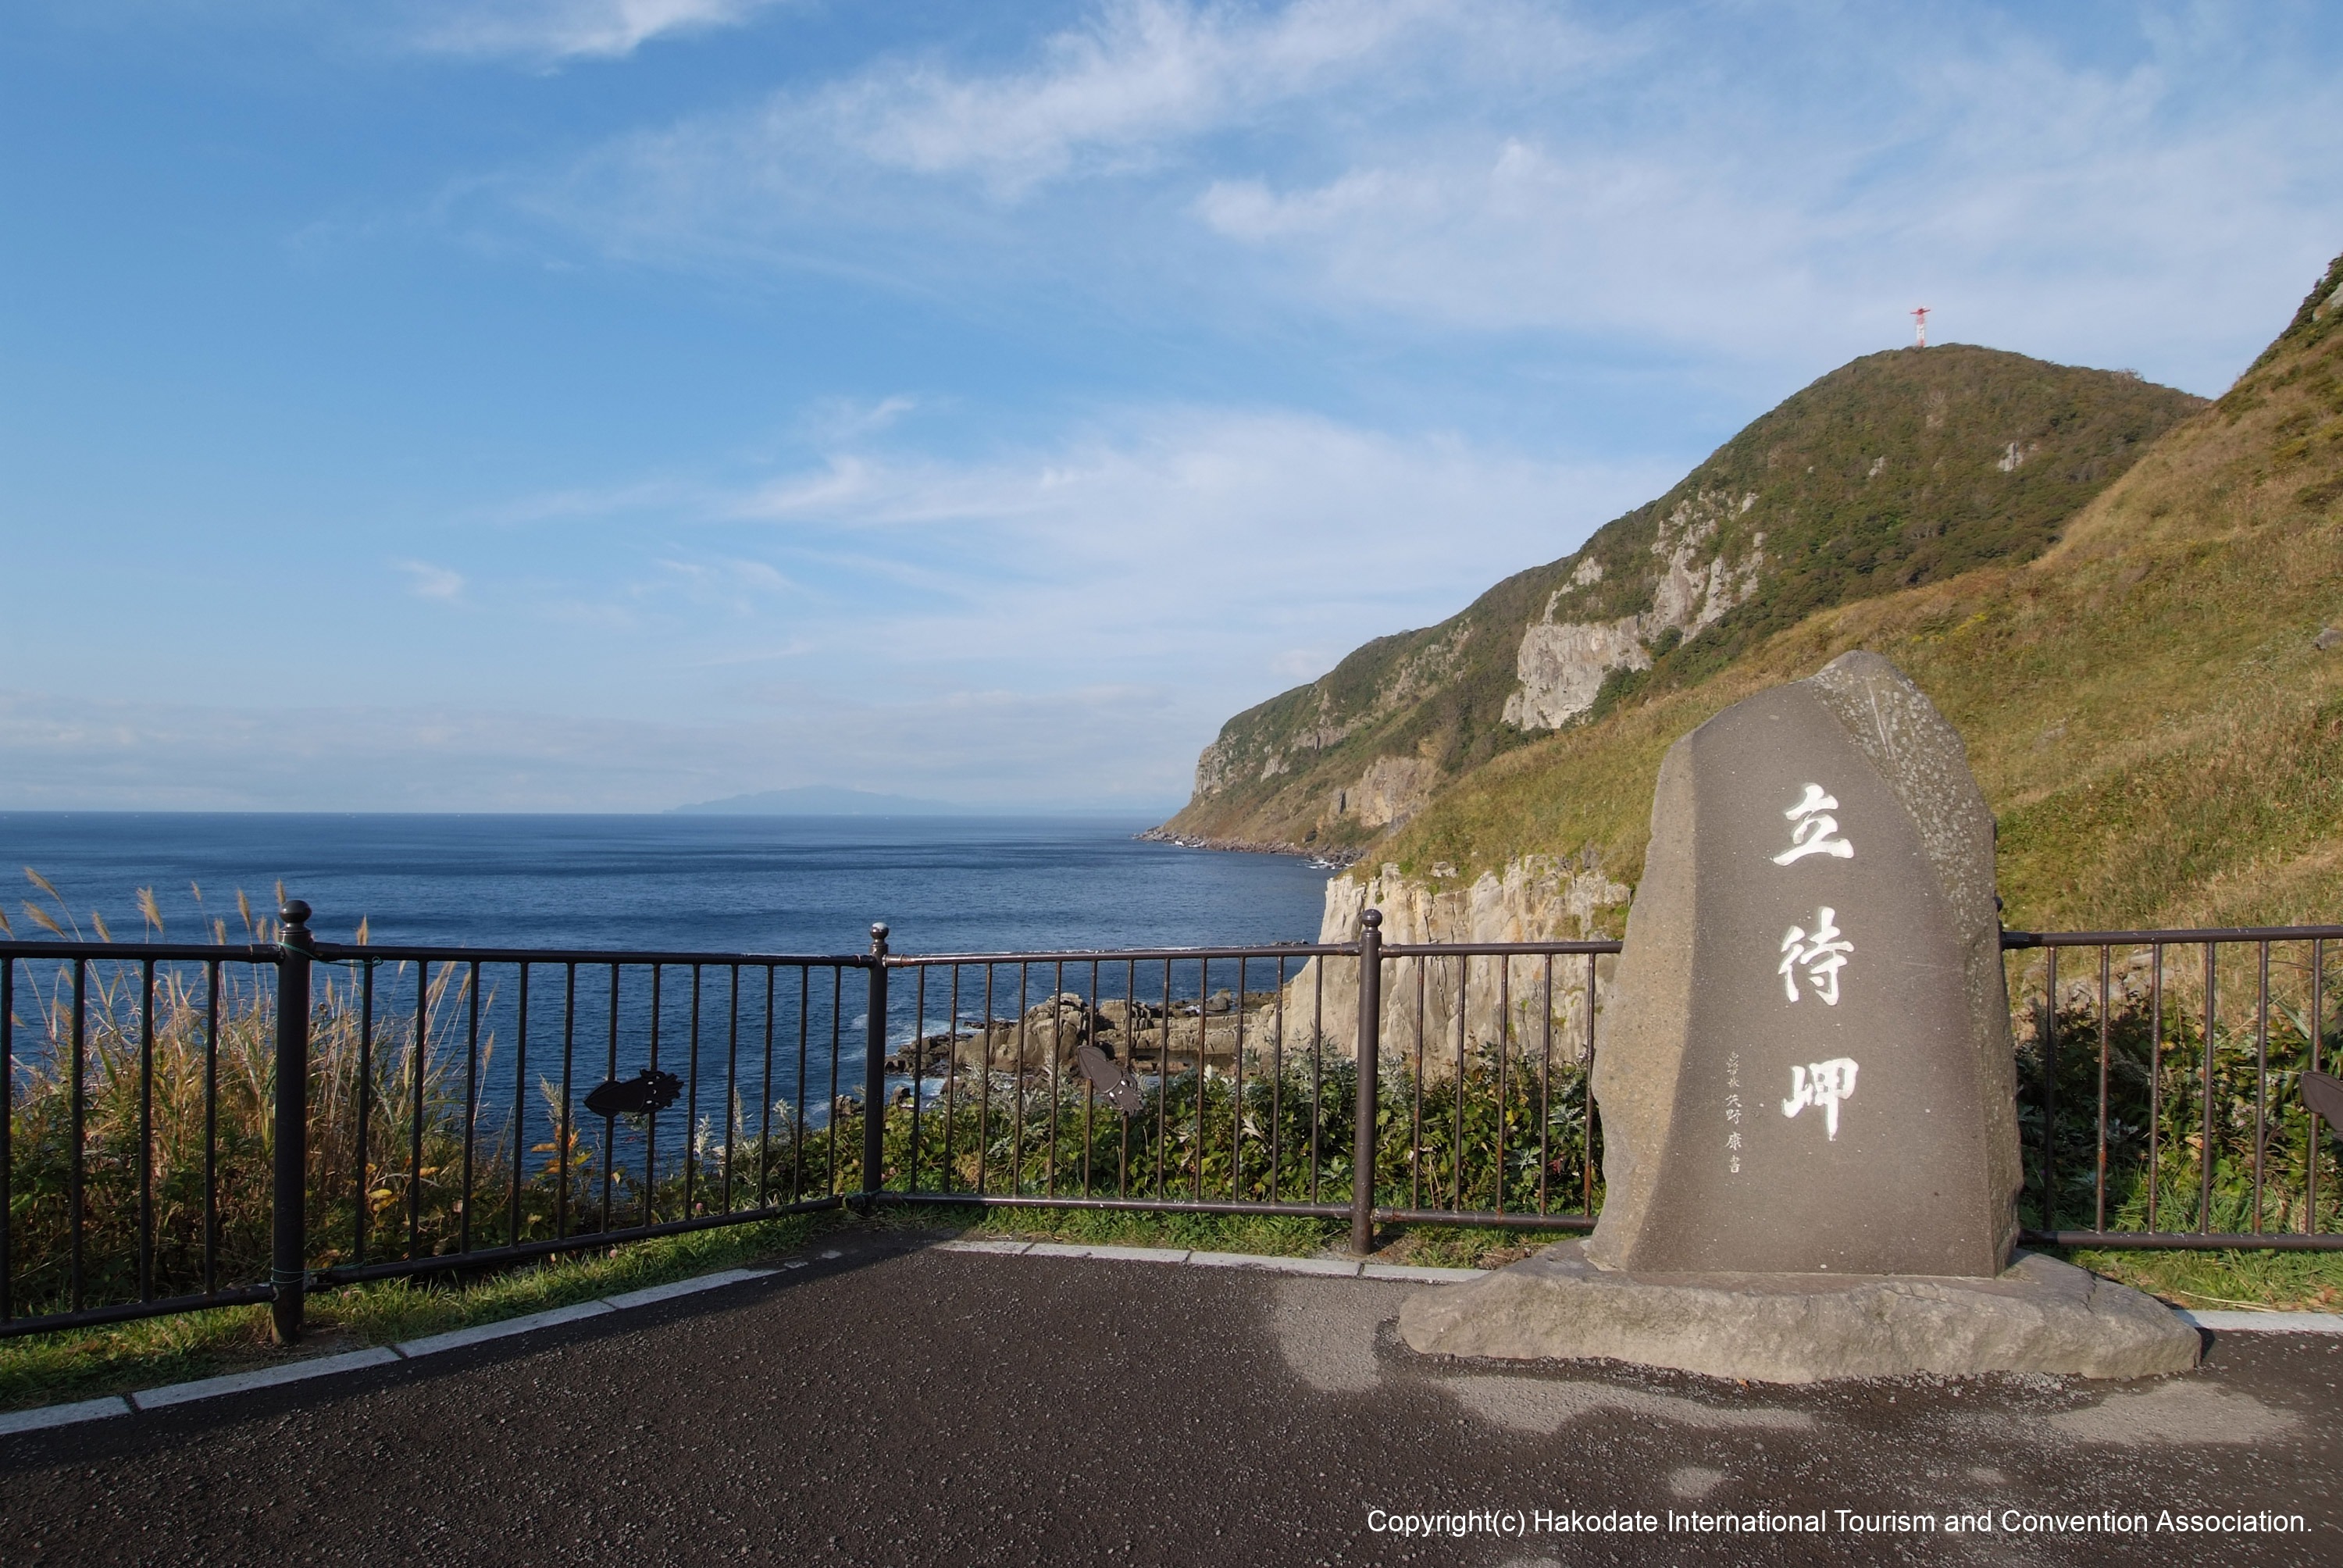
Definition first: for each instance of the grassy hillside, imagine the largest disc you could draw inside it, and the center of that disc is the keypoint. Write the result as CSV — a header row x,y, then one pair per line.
x,y
1900,469
2148,704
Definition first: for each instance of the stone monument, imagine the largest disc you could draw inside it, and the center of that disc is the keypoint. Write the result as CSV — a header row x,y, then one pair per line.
x,y
1806,1080
1829,1083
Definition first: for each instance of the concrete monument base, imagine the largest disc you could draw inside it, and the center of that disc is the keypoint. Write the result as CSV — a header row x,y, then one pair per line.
x,y
2039,1316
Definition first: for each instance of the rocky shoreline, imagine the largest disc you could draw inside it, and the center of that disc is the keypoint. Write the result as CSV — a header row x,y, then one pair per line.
x,y
1330,860
1043,1040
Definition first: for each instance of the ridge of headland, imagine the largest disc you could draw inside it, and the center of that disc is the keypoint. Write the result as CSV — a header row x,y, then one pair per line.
x,y
2120,596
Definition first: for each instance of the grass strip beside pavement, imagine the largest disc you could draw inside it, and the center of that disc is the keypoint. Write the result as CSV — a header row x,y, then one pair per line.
x,y
1267,1235
2275,1281
2278,1281
85,1364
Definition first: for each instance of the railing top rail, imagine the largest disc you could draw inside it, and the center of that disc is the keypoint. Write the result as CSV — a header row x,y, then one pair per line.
x,y
2184,937
1119,955
1510,950
345,953
237,953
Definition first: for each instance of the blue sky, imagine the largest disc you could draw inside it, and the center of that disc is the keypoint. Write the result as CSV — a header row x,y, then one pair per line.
x,y
611,404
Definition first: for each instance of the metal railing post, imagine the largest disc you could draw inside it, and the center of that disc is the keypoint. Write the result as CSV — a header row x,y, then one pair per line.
x,y
288,1269
874,1072
1362,1115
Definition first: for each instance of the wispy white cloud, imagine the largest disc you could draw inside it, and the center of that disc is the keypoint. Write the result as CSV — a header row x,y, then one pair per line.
x,y
1113,91
425,581
835,420
2067,210
1221,553
731,583
1749,190
959,159
550,31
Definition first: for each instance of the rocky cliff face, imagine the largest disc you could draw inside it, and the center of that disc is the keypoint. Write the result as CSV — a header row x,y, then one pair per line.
x,y
1898,468
1562,665
1537,1008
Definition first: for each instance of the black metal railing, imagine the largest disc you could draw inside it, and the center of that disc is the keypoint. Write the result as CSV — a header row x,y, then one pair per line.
x,y
1250,1097
2159,1090
184,1126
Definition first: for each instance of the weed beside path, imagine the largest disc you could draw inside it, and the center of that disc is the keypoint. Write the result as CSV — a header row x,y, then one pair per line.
x,y
2278,1281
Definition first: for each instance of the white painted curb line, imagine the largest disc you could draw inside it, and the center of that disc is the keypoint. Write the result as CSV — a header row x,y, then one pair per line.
x,y
268,1377
2264,1323
1344,1268
1005,1248
652,1294
1341,1268
457,1339
375,1356
63,1414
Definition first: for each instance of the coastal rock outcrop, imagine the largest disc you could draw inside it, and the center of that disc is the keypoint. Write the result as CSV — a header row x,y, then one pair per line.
x,y
1531,1006
1142,1036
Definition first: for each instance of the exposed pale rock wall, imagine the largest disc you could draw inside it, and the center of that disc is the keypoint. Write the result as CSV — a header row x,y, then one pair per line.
x,y
1539,897
1561,668
1562,664
1391,791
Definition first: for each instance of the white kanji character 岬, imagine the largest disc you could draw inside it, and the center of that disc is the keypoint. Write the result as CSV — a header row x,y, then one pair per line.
x,y
1822,1083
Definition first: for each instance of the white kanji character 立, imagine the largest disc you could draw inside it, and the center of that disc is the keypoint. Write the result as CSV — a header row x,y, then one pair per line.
x,y
1813,834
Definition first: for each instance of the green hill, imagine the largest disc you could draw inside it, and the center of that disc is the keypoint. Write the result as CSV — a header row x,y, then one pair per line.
x,y
1902,468
2153,705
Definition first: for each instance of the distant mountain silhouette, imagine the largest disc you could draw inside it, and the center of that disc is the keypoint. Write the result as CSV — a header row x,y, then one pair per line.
x,y
821,800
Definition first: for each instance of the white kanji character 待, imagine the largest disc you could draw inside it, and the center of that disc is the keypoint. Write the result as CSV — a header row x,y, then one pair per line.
x,y
1822,1083
1823,951
1813,834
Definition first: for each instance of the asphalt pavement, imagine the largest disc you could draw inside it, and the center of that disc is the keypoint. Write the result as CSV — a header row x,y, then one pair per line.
x,y
899,1403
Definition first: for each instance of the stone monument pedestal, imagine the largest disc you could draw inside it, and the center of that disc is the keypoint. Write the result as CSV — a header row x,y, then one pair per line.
x,y
2038,1315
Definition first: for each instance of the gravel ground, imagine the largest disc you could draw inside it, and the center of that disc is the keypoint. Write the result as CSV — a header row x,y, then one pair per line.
x,y
901,1405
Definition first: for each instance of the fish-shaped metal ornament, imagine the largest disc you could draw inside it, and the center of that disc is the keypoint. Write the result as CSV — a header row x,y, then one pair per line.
x,y
1114,1084
650,1090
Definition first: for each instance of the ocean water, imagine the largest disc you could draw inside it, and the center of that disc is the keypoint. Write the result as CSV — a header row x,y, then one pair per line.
x,y
751,884
756,1050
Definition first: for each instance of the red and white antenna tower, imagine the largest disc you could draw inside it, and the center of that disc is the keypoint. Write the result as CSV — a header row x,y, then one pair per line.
x,y
1920,316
